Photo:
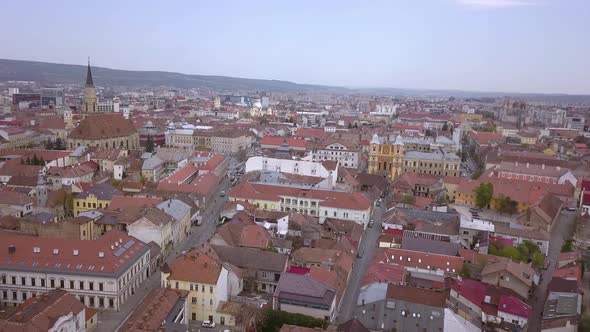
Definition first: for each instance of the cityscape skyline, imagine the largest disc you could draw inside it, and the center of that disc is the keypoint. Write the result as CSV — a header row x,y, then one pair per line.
x,y
471,45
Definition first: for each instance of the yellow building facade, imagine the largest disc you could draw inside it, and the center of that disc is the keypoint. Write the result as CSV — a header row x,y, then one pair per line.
x,y
386,159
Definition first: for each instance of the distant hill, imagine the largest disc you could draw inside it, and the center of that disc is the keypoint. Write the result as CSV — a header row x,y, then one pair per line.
x,y
52,73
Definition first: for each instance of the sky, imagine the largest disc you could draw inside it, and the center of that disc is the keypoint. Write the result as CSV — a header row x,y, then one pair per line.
x,y
540,46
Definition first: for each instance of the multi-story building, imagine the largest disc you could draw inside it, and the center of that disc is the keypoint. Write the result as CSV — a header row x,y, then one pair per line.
x,y
352,206
435,163
297,167
386,159
97,197
219,141
101,273
347,154
162,309
208,281
230,141
56,310
391,159
13,138
576,122
301,294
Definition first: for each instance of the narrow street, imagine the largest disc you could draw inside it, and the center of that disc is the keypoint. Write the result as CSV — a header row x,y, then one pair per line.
x,y
109,321
561,232
367,249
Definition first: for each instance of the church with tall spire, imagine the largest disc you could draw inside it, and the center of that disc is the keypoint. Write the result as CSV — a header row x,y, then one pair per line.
x,y
101,129
90,101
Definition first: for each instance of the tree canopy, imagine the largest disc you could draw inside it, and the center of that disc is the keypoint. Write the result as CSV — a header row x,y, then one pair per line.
x,y
505,204
483,195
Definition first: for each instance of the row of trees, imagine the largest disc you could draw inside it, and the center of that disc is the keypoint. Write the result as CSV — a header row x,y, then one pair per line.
x,y
484,194
273,320
58,144
34,161
525,252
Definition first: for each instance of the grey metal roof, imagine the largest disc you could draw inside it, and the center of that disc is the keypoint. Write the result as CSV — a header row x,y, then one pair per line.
x,y
175,208
152,163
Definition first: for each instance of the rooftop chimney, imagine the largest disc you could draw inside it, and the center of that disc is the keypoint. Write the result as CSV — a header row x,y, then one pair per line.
x,y
101,254
527,165
543,166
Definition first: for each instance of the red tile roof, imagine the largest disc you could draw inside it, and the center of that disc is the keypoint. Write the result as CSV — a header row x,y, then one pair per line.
x,y
182,175
384,273
73,256
420,260
119,202
472,290
512,305
486,138
335,199
277,141
310,133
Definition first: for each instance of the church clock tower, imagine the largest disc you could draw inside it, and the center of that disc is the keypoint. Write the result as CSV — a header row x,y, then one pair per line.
x,y
90,102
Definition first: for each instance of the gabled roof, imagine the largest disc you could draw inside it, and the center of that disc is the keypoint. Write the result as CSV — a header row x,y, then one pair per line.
x,y
304,288
514,306
523,272
42,312
195,266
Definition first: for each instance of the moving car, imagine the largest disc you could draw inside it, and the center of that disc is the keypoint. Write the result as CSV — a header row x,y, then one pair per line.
x,y
207,323
371,223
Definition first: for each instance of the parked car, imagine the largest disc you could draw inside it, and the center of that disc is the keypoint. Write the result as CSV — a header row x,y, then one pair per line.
x,y
207,323
371,223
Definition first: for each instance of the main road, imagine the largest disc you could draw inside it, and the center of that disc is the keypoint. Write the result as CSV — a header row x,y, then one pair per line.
x,y
561,231
367,249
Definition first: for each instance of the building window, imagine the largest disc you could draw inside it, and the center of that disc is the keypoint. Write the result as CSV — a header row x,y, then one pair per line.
x,y
210,301
81,284
62,283
177,285
23,281
210,289
33,282
52,283
42,282
91,285
111,303
194,300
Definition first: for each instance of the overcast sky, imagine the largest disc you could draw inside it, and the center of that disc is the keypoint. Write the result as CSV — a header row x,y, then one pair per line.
x,y
481,45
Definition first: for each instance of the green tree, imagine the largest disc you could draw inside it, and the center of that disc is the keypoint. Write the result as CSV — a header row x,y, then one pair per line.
x,y
483,194
59,144
568,246
512,253
505,204
149,145
35,160
41,162
49,144
445,127
584,324
272,321
465,271
538,260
